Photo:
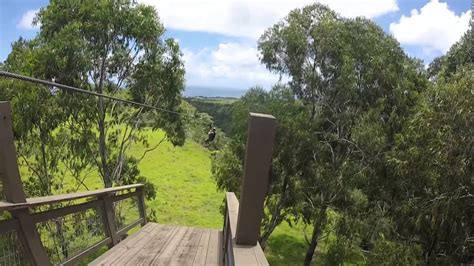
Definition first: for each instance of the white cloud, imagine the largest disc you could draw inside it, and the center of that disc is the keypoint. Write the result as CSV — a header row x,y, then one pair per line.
x,y
249,18
26,21
233,65
236,64
434,27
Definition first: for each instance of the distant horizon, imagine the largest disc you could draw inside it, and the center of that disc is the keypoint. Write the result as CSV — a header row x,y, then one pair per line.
x,y
213,91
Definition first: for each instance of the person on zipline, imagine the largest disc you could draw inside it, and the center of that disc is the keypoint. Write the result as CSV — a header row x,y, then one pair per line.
x,y
211,135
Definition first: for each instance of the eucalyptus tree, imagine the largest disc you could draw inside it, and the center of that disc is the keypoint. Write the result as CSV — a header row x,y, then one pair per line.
x,y
37,117
433,160
341,69
117,48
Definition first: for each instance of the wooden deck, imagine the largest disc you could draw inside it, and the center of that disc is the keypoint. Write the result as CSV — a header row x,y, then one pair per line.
x,y
157,244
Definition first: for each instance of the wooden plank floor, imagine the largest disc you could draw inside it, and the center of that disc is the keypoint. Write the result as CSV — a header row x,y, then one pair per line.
x,y
157,244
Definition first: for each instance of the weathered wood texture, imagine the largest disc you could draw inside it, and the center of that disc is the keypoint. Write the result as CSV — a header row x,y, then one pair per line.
x,y
13,190
32,202
9,172
157,244
79,195
24,222
238,254
7,206
258,155
153,244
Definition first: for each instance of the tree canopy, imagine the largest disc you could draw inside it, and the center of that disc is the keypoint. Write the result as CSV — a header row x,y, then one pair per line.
x,y
110,47
355,123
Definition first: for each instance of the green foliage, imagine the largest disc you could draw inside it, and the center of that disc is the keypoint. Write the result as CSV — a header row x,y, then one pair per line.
x,y
39,123
458,56
357,87
370,155
198,126
185,192
111,47
108,46
433,162
387,252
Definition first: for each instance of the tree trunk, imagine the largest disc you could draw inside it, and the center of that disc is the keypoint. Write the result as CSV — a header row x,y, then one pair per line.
x,y
276,216
64,245
102,134
102,145
319,223
274,222
46,178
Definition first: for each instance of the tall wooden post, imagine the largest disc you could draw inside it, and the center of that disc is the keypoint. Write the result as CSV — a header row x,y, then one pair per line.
x,y
13,189
258,155
9,173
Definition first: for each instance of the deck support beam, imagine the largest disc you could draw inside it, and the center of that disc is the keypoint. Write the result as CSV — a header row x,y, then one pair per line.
x,y
258,155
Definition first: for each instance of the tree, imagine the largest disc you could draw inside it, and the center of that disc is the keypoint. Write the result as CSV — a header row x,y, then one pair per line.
x,y
37,119
109,47
433,160
342,70
112,47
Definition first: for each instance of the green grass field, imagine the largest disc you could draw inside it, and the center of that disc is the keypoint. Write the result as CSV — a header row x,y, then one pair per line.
x,y
185,191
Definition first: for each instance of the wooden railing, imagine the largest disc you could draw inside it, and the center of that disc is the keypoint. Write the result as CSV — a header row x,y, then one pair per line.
x,y
235,254
59,229
92,214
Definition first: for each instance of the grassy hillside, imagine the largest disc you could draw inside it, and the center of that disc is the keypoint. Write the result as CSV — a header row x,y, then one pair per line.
x,y
185,191
186,194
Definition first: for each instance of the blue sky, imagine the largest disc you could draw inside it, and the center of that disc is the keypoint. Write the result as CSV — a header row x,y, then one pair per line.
x,y
218,38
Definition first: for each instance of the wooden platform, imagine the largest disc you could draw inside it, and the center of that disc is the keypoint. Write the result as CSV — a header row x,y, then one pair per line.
x,y
157,244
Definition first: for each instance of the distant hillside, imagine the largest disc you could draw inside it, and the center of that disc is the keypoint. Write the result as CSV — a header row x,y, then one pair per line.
x,y
194,91
217,107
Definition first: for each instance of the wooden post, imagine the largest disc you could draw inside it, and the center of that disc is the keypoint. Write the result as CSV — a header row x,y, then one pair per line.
x,y
108,216
141,204
258,155
13,189
9,172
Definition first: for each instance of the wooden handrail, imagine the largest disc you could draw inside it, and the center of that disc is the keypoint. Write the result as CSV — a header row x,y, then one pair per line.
x,y
102,200
31,202
235,254
24,221
8,206
232,211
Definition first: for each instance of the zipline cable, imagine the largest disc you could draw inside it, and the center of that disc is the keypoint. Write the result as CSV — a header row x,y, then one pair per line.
x,y
74,89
